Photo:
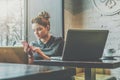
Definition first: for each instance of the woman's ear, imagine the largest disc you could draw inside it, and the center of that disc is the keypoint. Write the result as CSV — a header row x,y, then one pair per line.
x,y
48,27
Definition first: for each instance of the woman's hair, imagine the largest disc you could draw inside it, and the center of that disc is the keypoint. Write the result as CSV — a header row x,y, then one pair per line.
x,y
42,19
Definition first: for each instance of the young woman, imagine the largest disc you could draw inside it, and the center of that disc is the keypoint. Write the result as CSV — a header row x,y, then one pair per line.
x,y
46,44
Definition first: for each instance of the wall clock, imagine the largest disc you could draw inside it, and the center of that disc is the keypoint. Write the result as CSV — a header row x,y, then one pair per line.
x,y
107,7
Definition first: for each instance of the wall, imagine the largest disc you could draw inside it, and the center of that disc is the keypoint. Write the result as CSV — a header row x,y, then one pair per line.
x,y
95,14
53,7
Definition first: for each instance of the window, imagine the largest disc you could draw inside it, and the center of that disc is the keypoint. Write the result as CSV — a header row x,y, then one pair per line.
x,y
12,21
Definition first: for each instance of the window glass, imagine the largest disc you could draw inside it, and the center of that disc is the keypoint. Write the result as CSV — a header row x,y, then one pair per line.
x,y
11,22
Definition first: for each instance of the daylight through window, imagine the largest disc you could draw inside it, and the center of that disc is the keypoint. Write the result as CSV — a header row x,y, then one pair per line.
x,y
11,22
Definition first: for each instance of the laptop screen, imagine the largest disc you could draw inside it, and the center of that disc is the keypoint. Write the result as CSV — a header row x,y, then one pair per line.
x,y
84,44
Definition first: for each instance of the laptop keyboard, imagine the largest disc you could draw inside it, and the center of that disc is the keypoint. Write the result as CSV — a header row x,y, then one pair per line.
x,y
56,58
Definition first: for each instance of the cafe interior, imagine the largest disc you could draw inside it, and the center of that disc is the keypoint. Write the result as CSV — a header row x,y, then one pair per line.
x,y
15,26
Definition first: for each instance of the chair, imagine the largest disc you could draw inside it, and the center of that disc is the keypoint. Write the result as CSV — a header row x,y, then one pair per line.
x,y
101,74
13,55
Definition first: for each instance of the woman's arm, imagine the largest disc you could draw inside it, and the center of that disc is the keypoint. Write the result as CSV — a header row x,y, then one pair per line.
x,y
37,50
41,53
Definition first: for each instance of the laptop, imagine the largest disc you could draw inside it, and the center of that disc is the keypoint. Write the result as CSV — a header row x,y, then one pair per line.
x,y
84,45
13,55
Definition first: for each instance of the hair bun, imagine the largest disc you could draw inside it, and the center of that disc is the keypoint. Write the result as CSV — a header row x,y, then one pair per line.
x,y
44,14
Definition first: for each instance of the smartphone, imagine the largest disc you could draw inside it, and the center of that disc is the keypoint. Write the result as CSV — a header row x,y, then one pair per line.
x,y
27,46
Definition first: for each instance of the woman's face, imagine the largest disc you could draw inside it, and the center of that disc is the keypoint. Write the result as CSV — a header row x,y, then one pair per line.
x,y
40,31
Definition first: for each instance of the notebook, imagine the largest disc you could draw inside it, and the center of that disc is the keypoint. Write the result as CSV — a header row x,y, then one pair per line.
x,y
82,45
13,55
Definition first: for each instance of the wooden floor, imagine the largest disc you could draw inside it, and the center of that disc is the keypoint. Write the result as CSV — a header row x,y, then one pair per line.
x,y
98,77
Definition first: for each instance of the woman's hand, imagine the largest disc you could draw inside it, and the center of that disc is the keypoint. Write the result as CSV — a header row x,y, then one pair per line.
x,y
35,49
27,48
40,52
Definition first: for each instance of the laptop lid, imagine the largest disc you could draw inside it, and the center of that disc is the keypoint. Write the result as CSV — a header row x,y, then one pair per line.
x,y
84,44
13,55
